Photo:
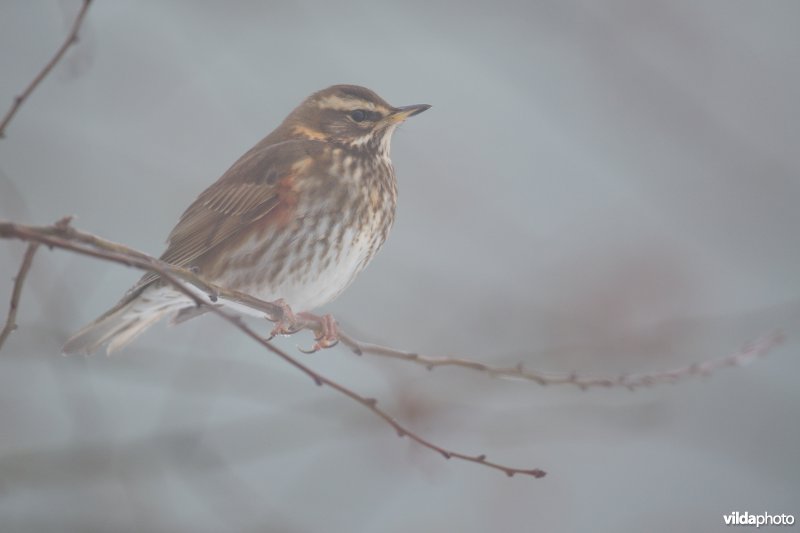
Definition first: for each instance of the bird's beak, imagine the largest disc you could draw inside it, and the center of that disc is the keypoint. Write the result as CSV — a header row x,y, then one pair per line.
x,y
401,113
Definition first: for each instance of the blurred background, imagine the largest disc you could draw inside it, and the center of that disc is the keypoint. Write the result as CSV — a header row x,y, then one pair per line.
x,y
600,187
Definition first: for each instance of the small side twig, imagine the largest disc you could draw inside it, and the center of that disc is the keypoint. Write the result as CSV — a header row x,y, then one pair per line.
x,y
19,281
750,352
71,39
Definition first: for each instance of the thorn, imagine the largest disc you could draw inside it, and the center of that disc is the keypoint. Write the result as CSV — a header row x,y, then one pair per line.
x,y
537,473
213,297
510,473
357,350
372,402
446,454
401,433
481,458
413,356
317,381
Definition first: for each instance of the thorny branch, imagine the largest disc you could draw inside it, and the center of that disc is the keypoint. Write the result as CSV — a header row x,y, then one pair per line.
x,y
71,39
62,235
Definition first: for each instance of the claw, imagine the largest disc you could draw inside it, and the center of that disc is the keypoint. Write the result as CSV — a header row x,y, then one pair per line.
x,y
319,346
314,349
327,336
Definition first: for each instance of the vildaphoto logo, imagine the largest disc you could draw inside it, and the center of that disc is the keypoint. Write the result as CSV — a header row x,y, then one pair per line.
x,y
764,519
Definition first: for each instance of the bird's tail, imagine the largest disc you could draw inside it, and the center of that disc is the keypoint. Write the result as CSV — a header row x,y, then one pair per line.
x,y
121,324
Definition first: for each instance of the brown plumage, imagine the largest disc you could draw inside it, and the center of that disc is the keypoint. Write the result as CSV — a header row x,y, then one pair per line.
x,y
296,218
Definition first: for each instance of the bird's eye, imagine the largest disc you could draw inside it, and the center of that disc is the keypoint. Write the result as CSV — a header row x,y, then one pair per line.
x,y
358,115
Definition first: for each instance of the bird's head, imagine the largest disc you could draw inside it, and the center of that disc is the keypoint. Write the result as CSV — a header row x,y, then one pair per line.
x,y
349,115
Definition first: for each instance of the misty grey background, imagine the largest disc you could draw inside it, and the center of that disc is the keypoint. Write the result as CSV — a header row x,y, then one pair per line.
x,y
602,187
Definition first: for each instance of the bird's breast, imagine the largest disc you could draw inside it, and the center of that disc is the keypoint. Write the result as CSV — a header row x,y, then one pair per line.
x,y
341,219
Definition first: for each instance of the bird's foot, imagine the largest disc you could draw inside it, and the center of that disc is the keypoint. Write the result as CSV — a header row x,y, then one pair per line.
x,y
287,324
326,334
326,331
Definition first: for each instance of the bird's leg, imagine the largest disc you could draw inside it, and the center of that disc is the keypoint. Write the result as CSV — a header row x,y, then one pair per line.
x,y
326,335
287,323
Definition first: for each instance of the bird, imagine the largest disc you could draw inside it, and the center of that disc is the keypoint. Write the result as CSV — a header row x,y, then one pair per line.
x,y
294,220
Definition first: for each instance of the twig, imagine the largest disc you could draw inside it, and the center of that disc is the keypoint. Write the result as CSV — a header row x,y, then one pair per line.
x,y
320,380
750,352
19,281
61,236
71,39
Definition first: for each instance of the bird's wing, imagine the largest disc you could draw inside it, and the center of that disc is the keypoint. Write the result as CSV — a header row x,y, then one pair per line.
x,y
253,187
220,211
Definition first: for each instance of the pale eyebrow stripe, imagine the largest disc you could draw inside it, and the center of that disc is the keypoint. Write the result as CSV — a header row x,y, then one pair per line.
x,y
347,104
